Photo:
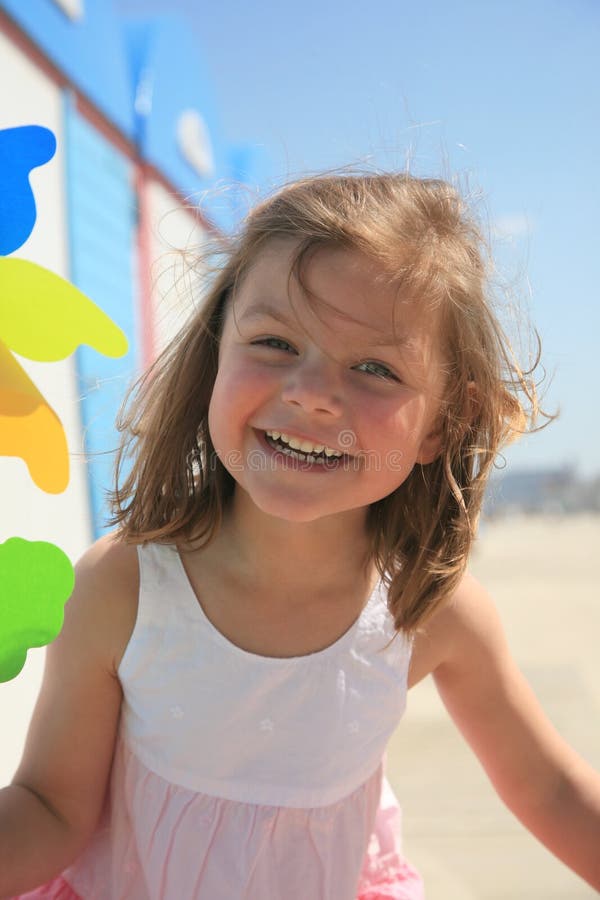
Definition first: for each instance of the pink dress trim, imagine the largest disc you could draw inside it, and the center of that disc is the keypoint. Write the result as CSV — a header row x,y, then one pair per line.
x,y
385,874
57,889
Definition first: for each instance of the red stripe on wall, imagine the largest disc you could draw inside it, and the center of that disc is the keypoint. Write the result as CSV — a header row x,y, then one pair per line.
x,y
146,317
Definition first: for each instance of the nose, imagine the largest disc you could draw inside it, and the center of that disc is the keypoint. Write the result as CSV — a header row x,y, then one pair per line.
x,y
314,388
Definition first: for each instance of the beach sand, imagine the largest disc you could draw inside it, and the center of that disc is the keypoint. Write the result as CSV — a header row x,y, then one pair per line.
x,y
543,575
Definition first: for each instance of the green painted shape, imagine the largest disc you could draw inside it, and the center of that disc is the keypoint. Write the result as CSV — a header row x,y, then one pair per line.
x,y
36,580
44,317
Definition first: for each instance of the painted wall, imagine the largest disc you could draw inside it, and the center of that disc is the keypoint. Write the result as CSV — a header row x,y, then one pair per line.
x,y
31,513
147,76
25,510
88,48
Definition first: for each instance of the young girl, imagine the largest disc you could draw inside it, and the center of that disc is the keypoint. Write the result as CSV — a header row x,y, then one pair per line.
x,y
306,468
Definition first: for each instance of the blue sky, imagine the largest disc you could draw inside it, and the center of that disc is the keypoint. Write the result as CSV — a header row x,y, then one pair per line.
x,y
503,93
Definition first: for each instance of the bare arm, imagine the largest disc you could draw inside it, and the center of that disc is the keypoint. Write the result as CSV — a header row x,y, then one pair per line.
x,y
543,781
50,810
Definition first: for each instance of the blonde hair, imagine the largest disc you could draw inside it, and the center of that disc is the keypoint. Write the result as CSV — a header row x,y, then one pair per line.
x,y
427,243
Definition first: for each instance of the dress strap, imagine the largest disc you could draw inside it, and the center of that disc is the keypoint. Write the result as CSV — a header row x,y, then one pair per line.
x,y
159,596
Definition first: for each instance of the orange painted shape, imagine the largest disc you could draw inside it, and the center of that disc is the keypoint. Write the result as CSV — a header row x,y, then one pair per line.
x,y
30,429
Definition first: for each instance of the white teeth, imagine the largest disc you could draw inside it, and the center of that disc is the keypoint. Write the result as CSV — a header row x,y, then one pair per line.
x,y
303,446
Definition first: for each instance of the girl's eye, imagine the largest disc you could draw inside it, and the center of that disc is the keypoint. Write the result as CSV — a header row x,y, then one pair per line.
x,y
270,341
379,370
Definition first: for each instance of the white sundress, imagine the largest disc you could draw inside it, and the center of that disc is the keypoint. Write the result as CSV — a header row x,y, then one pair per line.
x,y
243,777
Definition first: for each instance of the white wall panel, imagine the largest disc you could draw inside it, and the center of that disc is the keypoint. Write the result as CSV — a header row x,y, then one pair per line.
x,y
176,241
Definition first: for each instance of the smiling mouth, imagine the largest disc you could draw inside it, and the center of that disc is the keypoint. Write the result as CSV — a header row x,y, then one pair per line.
x,y
321,458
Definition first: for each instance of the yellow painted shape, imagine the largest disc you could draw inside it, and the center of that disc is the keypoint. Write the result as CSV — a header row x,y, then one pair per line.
x,y
44,317
30,429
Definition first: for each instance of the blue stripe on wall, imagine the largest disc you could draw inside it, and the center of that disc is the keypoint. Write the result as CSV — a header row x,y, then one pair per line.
x,y
102,222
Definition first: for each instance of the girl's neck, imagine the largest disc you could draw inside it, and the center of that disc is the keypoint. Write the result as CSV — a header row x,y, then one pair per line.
x,y
323,555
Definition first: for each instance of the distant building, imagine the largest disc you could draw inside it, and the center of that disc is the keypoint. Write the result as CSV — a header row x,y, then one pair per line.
x,y
545,491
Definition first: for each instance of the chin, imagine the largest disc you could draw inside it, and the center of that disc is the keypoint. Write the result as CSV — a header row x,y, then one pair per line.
x,y
287,513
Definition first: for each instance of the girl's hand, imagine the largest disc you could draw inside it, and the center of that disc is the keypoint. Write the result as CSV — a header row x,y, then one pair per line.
x,y
542,780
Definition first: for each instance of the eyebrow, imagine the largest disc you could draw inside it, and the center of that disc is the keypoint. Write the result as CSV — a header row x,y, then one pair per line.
x,y
260,310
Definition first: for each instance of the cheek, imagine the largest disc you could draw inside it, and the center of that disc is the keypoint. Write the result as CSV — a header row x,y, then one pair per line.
x,y
219,408
389,422
235,366
235,397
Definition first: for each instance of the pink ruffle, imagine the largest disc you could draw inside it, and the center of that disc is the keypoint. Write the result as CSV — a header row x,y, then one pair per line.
x,y
391,878
57,889
110,870
385,874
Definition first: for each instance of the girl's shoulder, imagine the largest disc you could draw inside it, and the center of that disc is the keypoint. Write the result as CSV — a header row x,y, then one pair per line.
x,y
466,625
107,583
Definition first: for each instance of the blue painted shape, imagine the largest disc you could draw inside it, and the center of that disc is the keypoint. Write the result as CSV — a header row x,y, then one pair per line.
x,y
102,226
90,51
169,80
21,150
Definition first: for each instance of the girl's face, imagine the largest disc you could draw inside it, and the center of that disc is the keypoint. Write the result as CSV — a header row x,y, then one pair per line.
x,y
326,380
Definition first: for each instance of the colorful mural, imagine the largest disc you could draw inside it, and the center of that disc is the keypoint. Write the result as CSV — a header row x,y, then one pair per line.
x,y
44,318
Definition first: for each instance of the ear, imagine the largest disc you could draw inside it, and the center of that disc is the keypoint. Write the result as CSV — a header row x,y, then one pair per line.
x,y
473,404
432,445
